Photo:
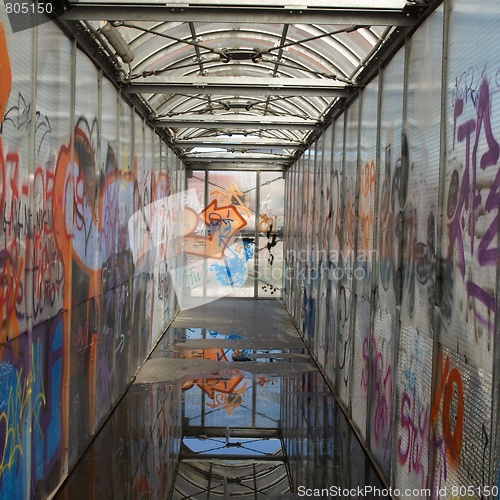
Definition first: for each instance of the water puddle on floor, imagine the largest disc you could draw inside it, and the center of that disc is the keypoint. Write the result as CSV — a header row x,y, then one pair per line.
x,y
222,414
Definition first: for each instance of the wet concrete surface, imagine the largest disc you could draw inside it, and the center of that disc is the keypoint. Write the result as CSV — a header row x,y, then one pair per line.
x,y
228,405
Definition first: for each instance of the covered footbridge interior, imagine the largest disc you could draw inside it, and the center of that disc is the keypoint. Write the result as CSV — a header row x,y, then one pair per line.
x,y
210,208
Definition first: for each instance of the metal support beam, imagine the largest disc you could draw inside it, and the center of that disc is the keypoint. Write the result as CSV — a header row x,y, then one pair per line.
x,y
238,165
217,85
237,158
237,125
239,143
242,157
238,122
193,164
295,14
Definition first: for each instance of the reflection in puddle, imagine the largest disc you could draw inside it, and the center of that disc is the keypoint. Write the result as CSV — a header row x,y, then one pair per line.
x,y
214,422
233,447
242,401
236,355
206,333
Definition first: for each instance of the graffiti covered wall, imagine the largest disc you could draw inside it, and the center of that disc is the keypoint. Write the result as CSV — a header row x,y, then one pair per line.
x,y
77,314
413,235
322,451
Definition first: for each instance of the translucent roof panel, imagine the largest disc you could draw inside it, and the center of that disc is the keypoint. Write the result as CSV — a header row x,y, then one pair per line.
x,y
274,71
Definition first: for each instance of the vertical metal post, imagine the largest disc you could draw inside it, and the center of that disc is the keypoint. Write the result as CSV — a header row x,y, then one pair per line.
x,y
254,402
204,263
203,405
67,315
352,307
440,228
318,169
30,262
374,281
285,292
257,238
254,482
331,231
341,235
400,271
209,481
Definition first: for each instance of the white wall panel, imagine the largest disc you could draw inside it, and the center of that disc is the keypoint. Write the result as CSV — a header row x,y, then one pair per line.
x,y
347,282
108,210
470,204
421,153
323,247
428,202
365,255
336,270
69,343
84,231
468,301
392,198
18,117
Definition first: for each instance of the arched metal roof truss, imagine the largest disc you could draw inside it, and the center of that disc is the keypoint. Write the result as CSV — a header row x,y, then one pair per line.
x,y
258,82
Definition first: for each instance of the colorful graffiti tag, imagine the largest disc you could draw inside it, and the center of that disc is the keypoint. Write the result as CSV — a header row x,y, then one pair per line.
x,y
67,300
226,392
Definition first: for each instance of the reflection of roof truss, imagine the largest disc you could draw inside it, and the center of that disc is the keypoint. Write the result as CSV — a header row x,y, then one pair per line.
x,y
236,432
225,475
248,459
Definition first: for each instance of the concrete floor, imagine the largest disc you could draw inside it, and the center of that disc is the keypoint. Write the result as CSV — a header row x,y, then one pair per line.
x,y
260,328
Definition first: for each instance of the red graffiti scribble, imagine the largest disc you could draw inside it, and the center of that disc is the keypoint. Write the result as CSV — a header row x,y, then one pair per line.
x,y
10,282
11,267
232,196
12,260
223,223
366,204
350,218
450,383
228,401
368,178
225,391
